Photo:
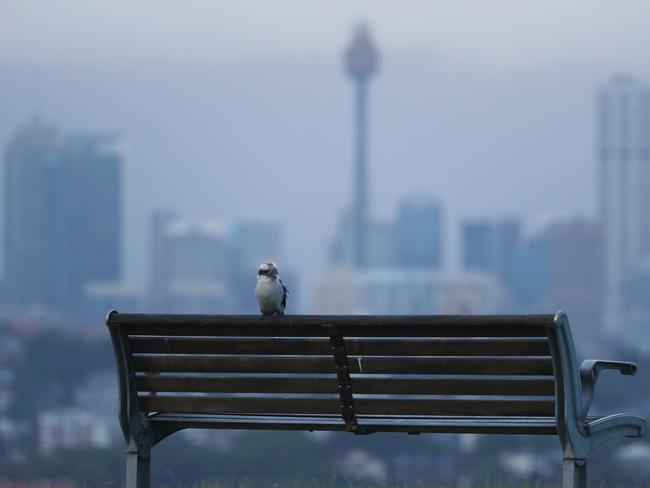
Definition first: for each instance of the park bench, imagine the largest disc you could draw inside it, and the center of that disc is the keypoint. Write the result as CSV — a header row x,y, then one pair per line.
x,y
513,374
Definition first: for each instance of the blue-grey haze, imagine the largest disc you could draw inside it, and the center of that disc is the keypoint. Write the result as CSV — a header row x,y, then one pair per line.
x,y
277,135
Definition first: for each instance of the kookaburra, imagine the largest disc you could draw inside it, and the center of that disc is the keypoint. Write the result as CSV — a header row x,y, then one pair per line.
x,y
270,291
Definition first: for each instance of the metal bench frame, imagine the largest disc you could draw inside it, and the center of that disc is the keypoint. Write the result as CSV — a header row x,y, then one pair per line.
x,y
579,434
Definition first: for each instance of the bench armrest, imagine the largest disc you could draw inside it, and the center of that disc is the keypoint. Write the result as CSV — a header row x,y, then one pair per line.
x,y
589,372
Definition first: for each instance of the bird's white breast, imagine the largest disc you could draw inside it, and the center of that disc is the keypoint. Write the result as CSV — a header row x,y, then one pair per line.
x,y
269,294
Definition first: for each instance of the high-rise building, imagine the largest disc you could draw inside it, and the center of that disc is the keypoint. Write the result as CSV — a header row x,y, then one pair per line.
x,y
361,60
560,267
418,238
62,216
624,186
489,246
258,239
30,159
192,266
529,276
576,273
158,252
89,226
381,246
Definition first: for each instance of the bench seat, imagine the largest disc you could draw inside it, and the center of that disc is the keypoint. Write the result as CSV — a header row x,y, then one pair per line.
x,y
509,374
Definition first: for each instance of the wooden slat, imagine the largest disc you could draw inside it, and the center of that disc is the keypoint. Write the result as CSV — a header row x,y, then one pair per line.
x,y
379,330
350,326
363,406
474,425
230,345
246,384
448,347
235,364
446,424
392,406
453,386
357,364
240,405
261,422
452,365
216,321
367,347
361,385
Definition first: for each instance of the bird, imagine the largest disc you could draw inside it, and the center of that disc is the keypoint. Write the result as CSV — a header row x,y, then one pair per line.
x,y
270,291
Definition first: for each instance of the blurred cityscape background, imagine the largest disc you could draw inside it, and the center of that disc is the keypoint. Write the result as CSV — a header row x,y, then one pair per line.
x,y
427,160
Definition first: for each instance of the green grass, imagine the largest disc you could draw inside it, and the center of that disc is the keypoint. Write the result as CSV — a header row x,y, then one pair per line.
x,y
342,483
338,482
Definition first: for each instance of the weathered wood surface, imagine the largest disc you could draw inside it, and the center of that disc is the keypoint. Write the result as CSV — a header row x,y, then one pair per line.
x,y
319,325
357,364
446,424
359,347
362,385
266,405
460,321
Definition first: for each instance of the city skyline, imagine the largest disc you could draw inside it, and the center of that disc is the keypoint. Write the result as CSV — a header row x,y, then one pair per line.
x,y
498,97
456,229
449,245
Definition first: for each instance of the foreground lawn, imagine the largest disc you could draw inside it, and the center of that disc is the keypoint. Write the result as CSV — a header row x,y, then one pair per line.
x,y
362,484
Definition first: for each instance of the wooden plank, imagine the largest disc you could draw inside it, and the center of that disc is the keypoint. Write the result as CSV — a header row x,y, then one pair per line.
x,y
363,406
397,385
358,364
230,384
450,365
234,364
230,345
448,347
366,347
446,424
318,326
472,425
352,330
216,321
259,422
453,386
240,405
394,406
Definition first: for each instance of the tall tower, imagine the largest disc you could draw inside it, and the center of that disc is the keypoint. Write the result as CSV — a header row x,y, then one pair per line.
x,y
624,193
360,63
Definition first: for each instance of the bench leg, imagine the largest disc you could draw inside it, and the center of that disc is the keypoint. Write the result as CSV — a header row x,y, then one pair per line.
x,y
137,470
574,473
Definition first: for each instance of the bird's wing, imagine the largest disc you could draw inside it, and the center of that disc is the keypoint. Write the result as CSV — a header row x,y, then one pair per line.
x,y
285,291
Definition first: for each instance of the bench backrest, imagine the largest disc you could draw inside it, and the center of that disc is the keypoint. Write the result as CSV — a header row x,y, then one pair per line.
x,y
344,366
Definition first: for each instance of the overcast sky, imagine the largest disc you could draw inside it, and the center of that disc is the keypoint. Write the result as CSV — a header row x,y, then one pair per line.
x,y
484,34
232,107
